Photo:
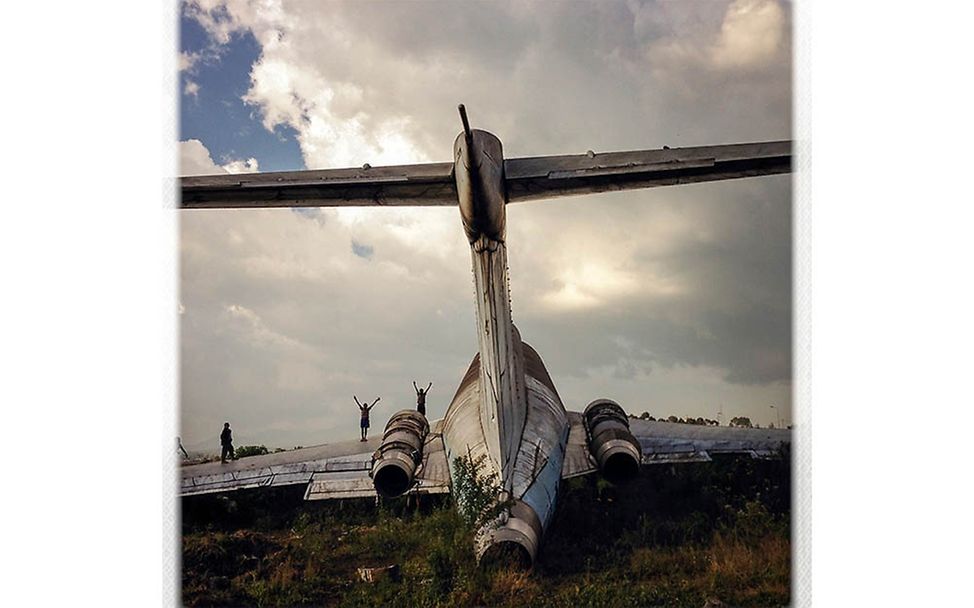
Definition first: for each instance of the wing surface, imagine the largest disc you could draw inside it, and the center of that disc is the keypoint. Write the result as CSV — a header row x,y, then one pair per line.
x,y
347,459
578,458
671,442
666,442
432,477
335,470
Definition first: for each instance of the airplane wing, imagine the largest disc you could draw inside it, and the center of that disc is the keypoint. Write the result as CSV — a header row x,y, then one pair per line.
x,y
336,470
672,442
526,179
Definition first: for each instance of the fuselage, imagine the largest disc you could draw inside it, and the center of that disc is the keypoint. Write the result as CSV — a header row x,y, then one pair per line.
x,y
506,411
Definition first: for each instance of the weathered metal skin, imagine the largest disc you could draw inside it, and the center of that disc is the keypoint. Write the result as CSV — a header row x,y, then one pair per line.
x,y
394,463
531,481
502,400
612,444
537,472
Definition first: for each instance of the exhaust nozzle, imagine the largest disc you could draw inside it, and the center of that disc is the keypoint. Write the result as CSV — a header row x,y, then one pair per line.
x,y
394,463
616,451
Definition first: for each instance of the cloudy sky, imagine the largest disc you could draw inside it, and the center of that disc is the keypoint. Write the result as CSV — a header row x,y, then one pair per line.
x,y
672,300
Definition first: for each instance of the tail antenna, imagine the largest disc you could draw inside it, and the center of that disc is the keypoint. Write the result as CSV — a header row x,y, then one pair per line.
x,y
466,125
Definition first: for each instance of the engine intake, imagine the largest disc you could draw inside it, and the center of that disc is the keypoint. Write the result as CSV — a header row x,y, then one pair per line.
x,y
394,463
616,451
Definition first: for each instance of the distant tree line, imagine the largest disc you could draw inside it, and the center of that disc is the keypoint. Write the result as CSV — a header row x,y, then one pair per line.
x,y
688,420
737,421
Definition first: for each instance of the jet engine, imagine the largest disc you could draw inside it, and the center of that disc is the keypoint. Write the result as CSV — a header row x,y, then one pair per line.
x,y
394,463
614,448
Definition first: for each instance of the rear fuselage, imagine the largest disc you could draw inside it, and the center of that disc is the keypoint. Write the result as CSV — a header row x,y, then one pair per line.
x,y
506,411
534,459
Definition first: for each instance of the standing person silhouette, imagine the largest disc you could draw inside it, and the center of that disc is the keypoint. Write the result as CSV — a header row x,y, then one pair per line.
x,y
226,442
421,397
364,411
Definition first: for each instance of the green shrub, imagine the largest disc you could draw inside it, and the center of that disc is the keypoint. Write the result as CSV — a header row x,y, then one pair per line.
x,y
476,492
250,450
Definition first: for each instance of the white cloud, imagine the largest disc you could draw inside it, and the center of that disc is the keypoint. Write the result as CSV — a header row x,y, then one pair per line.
x,y
195,159
249,165
586,284
751,33
287,93
191,88
187,61
249,324
221,19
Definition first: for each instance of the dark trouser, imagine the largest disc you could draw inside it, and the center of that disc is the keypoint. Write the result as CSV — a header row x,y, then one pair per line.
x,y
227,451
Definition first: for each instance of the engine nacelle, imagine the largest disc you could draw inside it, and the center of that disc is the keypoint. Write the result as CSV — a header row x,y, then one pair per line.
x,y
616,451
394,463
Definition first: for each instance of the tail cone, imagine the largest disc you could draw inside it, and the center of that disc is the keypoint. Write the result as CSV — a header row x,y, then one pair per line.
x,y
506,554
510,540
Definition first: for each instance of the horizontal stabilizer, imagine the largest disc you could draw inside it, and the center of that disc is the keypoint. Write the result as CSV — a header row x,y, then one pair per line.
x,y
425,185
554,176
526,179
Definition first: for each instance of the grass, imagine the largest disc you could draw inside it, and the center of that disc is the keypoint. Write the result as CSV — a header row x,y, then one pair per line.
x,y
676,536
